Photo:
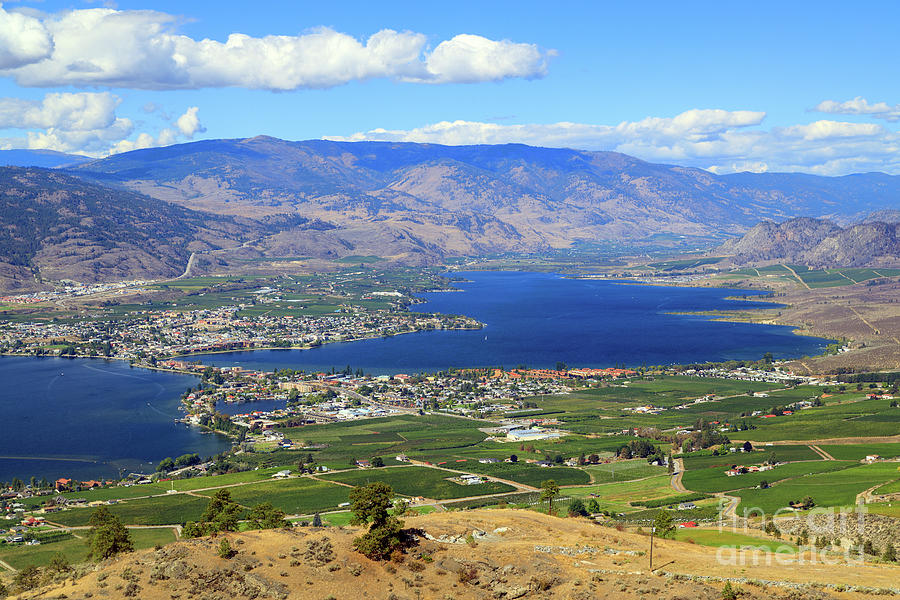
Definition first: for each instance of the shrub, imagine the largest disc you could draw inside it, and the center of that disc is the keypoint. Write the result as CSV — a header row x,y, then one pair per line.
x,y
319,552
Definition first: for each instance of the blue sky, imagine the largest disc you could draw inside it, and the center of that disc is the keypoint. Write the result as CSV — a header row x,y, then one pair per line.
x,y
722,86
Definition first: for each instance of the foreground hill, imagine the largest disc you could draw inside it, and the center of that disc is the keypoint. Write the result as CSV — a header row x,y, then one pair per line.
x,y
56,226
428,200
510,554
819,243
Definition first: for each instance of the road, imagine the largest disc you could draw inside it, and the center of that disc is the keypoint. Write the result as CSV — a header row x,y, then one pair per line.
x,y
676,476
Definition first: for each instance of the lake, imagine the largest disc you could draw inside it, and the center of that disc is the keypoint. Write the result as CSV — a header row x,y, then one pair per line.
x,y
537,319
87,419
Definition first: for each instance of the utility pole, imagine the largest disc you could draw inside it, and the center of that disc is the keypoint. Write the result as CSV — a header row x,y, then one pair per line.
x,y
652,531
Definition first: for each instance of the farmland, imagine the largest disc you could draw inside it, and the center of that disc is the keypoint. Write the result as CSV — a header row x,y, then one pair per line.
x,y
420,481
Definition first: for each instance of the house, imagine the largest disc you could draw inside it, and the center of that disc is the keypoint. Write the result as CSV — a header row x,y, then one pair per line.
x,y
363,464
282,474
488,461
687,506
401,458
872,458
688,524
62,484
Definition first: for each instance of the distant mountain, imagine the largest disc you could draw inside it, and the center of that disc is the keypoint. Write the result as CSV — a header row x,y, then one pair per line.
x,y
883,216
48,159
421,202
56,226
818,243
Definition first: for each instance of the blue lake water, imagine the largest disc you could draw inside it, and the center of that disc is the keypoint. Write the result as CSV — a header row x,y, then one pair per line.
x,y
537,319
86,419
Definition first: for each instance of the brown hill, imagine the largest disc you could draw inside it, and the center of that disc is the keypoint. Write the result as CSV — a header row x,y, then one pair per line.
x,y
425,201
509,554
56,226
818,243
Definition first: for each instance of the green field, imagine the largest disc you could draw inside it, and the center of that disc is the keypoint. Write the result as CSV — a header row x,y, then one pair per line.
x,y
298,495
528,474
838,488
419,481
75,549
163,510
623,471
715,538
860,451
715,480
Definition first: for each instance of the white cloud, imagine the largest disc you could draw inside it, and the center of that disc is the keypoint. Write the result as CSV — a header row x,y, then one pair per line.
x,y
67,112
861,106
718,140
142,49
85,123
23,40
189,124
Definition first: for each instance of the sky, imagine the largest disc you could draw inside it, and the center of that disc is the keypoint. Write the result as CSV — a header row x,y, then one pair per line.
x,y
764,86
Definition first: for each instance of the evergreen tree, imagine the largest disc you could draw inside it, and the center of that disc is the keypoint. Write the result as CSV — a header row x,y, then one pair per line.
x,y
108,536
370,504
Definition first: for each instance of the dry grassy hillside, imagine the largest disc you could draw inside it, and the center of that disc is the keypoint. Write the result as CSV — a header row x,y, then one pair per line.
x,y
503,554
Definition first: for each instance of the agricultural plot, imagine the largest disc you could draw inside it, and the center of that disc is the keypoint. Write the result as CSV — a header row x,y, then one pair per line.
x,y
623,471
864,418
715,538
198,483
860,451
419,481
75,549
835,489
338,445
618,496
528,474
715,480
162,510
759,455
299,495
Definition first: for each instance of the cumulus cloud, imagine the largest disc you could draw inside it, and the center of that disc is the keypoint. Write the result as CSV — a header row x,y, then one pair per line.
x,y
142,49
85,123
23,40
861,106
718,140
189,124
68,112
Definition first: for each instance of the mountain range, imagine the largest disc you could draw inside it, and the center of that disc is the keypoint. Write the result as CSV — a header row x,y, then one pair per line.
x,y
410,203
820,243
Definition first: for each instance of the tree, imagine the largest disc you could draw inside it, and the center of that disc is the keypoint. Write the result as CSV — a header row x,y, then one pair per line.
x,y
577,508
59,563
513,458
747,447
889,554
593,506
370,505
670,463
869,548
165,465
222,513
225,550
27,579
561,366
664,524
549,491
377,461
108,536
266,516
317,520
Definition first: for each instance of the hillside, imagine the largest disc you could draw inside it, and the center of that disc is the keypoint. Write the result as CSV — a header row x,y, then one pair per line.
x,y
513,554
425,201
819,243
56,226
48,159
